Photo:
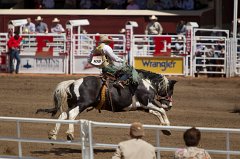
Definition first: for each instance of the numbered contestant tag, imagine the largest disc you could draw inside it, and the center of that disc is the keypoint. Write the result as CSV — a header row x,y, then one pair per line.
x,y
97,60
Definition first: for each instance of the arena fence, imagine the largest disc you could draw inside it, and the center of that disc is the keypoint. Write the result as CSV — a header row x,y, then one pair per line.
x,y
88,142
206,51
209,55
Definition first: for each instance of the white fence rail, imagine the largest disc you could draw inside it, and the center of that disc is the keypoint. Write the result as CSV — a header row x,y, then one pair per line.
x,y
87,136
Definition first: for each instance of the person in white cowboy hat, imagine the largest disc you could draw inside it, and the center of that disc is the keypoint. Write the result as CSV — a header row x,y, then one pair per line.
x,y
106,52
41,27
153,27
56,26
106,62
136,147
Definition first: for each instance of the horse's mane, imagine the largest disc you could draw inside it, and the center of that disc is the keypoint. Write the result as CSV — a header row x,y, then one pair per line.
x,y
154,78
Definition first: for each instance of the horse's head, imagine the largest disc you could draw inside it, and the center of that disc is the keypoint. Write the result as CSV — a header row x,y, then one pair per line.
x,y
162,86
165,89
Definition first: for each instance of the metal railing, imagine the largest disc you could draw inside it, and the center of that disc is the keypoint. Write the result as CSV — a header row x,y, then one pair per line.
x,y
87,136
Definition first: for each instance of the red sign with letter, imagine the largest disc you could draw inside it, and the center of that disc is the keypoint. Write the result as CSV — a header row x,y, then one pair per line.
x,y
42,42
162,46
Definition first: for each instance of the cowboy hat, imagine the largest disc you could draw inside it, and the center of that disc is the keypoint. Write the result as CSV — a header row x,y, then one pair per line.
x,y
56,20
136,130
104,38
153,17
122,30
39,18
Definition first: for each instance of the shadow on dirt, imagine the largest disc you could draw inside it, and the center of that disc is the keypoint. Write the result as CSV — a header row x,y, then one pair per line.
x,y
63,151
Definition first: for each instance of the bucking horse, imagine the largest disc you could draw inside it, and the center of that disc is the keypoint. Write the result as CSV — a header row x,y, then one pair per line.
x,y
153,94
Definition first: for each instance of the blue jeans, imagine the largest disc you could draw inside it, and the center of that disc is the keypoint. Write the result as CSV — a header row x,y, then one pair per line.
x,y
14,53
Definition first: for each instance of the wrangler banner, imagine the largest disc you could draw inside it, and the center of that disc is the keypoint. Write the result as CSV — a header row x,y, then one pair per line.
x,y
161,65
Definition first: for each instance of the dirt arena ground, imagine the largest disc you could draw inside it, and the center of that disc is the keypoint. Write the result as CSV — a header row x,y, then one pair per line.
x,y
200,102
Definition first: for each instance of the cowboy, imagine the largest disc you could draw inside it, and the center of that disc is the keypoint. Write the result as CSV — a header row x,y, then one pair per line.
x,y
153,27
57,27
41,27
104,58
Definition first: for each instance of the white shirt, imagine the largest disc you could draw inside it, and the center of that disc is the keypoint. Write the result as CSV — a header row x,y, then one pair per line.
x,y
107,50
57,29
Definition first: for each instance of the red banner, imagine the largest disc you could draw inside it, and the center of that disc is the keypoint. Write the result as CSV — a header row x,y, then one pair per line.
x,y
42,49
162,46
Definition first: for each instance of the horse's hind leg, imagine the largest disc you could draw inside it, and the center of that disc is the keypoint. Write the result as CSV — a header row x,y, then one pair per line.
x,y
52,135
72,116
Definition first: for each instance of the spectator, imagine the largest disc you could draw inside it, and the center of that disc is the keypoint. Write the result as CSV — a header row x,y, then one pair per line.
x,y
153,27
70,4
136,147
48,4
14,44
132,5
29,27
188,4
181,27
192,137
59,4
117,4
41,27
178,4
85,4
56,26
167,4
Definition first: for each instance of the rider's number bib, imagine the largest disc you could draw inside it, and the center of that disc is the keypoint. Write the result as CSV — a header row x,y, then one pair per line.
x,y
97,60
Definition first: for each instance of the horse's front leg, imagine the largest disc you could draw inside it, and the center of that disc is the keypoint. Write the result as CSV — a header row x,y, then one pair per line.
x,y
160,113
52,135
72,116
162,116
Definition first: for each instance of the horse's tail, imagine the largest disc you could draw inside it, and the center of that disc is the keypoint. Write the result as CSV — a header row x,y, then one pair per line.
x,y
60,96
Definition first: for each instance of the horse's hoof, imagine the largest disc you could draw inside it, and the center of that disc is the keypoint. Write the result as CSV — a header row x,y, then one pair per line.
x,y
70,137
52,136
166,132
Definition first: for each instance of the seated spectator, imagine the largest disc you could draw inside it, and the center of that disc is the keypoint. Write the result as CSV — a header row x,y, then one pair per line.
x,y
188,4
178,4
154,5
96,4
132,5
56,26
41,27
117,4
59,4
85,4
136,147
192,137
29,28
167,4
48,4
70,4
